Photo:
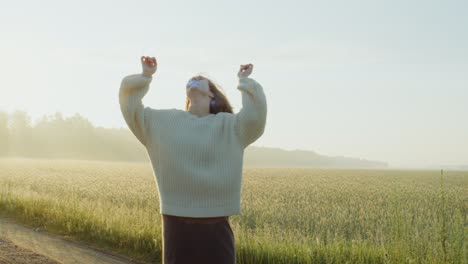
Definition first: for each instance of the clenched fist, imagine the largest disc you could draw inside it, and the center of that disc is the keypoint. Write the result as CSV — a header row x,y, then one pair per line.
x,y
245,70
149,65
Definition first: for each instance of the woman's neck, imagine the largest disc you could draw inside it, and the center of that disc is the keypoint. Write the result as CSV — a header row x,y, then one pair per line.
x,y
198,110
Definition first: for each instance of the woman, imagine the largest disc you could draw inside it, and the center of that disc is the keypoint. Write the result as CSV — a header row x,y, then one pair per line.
x,y
197,157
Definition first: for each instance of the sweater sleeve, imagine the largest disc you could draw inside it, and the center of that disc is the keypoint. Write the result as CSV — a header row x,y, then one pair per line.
x,y
251,119
132,89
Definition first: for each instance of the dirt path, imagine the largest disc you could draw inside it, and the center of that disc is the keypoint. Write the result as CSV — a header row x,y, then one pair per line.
x,y
11,253
44,248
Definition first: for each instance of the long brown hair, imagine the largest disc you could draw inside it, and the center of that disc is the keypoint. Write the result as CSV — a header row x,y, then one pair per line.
x,y
221,103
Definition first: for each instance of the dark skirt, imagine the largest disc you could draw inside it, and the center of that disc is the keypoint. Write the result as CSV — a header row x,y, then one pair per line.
x,y
189,240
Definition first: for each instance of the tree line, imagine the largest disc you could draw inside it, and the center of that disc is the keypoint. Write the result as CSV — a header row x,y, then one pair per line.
x,y
56,136
75,137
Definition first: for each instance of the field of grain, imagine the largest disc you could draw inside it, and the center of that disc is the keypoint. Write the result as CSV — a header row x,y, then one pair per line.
x,y
288,215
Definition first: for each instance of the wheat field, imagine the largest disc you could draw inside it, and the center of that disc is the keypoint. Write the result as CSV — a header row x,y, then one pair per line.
x,y
290,215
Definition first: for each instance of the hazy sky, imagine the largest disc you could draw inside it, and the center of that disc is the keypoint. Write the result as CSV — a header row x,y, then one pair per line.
x,y
379,80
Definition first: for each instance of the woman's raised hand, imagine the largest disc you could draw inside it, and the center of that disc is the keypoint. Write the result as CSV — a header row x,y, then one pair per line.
x,y
245,70
149,65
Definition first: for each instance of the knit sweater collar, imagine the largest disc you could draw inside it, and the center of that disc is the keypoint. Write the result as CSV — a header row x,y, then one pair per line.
x,y
193,116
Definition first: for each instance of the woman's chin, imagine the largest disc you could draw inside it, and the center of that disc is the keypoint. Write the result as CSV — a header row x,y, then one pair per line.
x,y
194,92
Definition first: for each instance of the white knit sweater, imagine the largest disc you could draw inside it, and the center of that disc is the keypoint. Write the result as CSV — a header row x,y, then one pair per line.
x,y
197,161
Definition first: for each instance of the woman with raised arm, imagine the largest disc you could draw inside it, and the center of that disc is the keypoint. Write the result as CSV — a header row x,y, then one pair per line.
x,y
197,158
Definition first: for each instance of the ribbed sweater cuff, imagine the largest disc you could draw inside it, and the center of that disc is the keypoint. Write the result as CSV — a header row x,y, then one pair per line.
x,y
232,209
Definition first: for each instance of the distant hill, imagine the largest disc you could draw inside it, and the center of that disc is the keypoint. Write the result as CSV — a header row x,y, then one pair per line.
x,y
275,157
75,137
